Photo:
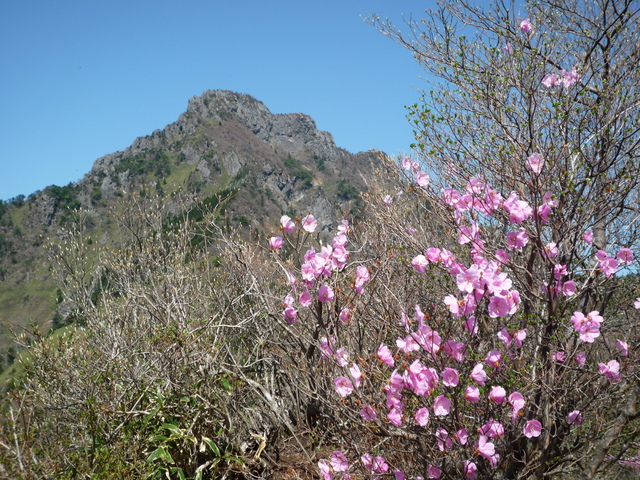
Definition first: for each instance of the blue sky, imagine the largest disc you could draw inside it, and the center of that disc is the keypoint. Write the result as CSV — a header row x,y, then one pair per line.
x,y
81,79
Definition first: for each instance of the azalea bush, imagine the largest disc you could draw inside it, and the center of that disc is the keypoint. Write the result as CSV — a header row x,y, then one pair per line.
x,y
502,340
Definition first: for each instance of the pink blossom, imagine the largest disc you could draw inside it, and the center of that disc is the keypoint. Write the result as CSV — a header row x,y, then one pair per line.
x,y
433,254
485,448
588,237
462,436
502,256
406,163
611,370
625,255
325,294
559,356
508,48
551,250
517,240
420,263
497,394
450,377
384,354
325,470
492,429
368,414
493,359
535,163
441,406
470,469
433,472
479,375
356,374
581,358
343,386
533,428
575,417
588,327
422,416
455,349
543,212
305,299
569,288
516,400
309,224
551,80
339,461
290,315
342,357
411,230
422,179
569,78
399,474
388,200
472,394
525,26
444,442
276,243
623,347
395,416
286,224
471,325
519,210
345,315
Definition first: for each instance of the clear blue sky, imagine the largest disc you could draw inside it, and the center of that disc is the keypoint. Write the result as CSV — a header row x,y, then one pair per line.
x,y
83,78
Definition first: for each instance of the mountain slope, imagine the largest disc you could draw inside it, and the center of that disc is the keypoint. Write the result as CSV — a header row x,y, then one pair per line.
x,y
225,144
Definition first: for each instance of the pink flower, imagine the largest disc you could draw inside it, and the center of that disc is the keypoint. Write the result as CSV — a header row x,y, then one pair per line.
x,y
559,356
493,359
286,224
356,374
581,358
575,417
525,26
342,357
290,315
420,263
492,429
569,288
304,299
517,240
533,428
462,436
309,224
339,461
497,394
450,377
588,237
422,417
625,255
325,294
479,375
345,315
519,210
485,448
470,469
388,200
472,394
516,400
441,406
551,80
611,370
623,347
588,327
433,472
535,162
276,243
384,354
368,414
325,470
395,416
637,303
422,179
343,386
551,250
508,48
406,163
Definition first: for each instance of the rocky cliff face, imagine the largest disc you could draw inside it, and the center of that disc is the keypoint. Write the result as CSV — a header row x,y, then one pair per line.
x,y
285,163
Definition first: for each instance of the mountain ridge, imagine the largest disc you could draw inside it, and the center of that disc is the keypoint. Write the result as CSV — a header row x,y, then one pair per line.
x,y
224,144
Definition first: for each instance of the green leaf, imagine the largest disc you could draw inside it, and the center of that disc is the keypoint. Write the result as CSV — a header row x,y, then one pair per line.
x,y
225,384
214,448
160,453
172,428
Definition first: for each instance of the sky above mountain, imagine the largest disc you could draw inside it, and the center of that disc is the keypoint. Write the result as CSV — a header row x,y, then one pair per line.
x,y
81,79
